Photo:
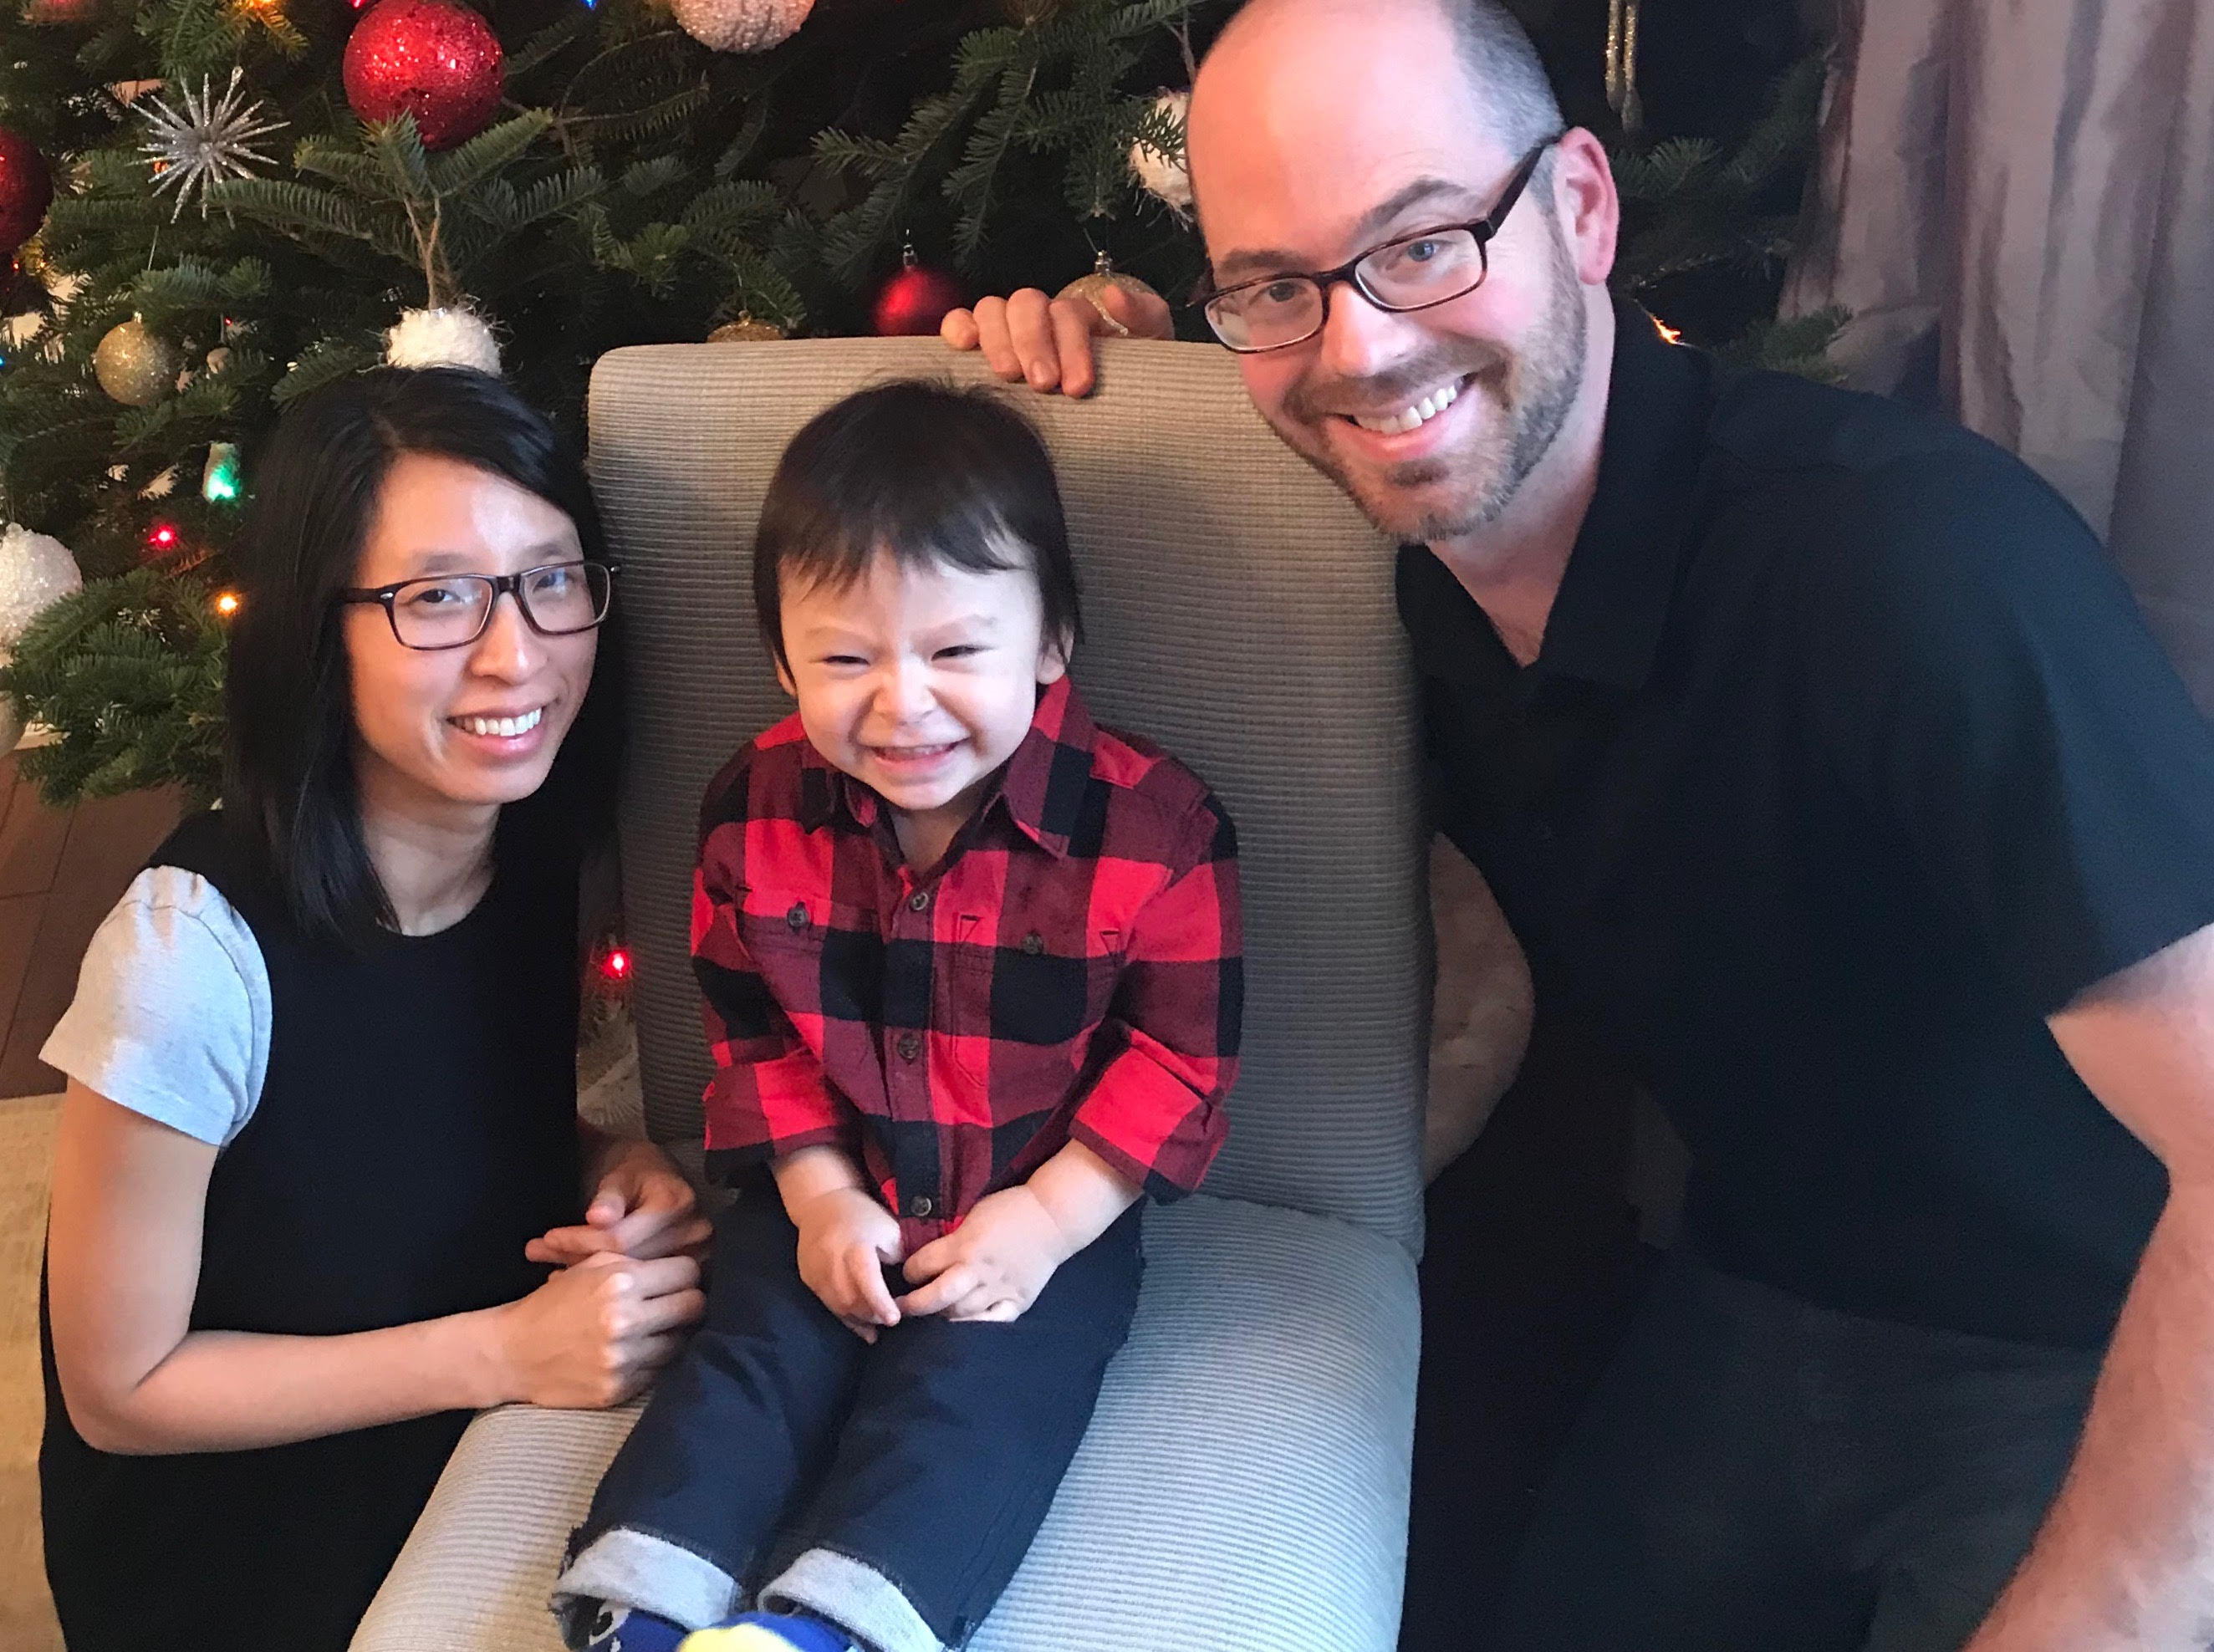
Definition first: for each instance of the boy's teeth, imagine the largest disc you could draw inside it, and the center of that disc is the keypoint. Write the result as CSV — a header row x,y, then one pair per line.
x,y
506,727
1415,417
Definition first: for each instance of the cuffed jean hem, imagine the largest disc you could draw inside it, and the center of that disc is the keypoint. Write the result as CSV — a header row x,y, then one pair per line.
x,y
855,1596
646,1573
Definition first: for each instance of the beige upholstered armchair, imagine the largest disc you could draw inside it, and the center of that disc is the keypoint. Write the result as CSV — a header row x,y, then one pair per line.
x,y
1244,1486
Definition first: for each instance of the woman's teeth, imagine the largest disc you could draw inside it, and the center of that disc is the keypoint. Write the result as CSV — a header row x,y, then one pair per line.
x,y
1415,417
506,727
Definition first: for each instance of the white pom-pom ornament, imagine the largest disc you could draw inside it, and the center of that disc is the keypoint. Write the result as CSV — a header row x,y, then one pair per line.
x,y
442,337
36,572
1162,174
742,25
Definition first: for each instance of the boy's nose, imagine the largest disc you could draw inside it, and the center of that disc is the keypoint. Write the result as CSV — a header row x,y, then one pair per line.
x,y
904,692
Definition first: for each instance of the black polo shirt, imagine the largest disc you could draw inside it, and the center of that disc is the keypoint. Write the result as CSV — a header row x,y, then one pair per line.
x,y
1846,760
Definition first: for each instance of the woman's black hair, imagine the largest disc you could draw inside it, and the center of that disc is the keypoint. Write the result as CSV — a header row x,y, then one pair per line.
x,y
289,788
932,474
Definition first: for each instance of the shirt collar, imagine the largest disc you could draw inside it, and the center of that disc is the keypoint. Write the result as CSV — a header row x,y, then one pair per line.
x,y
1041,787
1605,623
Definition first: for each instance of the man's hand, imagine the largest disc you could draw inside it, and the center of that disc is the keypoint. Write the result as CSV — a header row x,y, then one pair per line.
x,y
1046,342
845,1236
995,1264
641,1207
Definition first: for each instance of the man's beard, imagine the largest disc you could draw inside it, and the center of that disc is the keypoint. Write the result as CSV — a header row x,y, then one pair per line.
x,y
1531,394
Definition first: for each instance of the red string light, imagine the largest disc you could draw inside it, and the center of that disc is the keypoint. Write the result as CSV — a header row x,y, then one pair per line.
x,y
616,964
164,538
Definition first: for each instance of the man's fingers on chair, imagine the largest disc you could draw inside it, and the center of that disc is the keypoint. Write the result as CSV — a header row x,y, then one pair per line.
x,y
958,329
1074,321
1149,317
994,340
1030,327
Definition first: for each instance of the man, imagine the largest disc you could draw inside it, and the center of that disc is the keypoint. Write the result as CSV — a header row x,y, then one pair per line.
x,y
1812,746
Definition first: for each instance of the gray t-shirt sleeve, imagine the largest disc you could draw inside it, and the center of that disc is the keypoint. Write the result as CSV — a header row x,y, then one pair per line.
x,y
171,1017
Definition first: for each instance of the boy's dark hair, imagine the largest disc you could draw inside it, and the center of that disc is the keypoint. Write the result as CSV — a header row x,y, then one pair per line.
x,y
289,792
930,473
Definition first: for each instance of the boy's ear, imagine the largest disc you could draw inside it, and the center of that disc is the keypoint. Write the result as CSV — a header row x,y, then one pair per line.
x,y
1053,659
784,679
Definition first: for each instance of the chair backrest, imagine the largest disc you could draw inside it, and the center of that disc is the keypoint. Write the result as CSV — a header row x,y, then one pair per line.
x,y
1238,610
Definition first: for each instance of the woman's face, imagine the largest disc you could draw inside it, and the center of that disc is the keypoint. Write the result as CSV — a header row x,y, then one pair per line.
x,y
476,725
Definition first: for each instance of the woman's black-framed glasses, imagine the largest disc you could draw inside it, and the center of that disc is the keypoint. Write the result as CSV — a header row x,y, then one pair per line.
x,y
452,610
1431,267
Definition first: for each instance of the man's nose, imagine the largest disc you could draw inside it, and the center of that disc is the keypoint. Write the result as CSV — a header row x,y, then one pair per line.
x,y
1360,340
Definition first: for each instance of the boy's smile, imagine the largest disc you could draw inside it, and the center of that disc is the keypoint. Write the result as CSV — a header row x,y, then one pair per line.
x,y
920,682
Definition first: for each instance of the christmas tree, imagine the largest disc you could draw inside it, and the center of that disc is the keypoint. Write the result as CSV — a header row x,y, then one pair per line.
x,y
237,200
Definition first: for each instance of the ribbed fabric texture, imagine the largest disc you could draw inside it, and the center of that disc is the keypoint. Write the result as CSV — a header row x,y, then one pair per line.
x,y
1241,612
1242,1488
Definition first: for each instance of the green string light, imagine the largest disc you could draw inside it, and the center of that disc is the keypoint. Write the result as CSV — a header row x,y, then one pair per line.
x,y
219,482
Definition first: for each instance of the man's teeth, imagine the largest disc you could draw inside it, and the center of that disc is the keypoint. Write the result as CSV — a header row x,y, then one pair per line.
x,y
505,726
1415,417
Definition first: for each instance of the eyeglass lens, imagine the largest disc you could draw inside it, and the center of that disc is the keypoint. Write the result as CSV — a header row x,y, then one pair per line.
x,y
449,612
1410,274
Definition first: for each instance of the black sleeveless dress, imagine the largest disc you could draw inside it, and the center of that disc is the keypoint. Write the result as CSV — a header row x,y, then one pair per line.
x,y
416,1127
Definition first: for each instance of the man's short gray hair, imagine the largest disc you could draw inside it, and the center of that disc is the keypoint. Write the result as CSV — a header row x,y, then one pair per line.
x,y
1505,73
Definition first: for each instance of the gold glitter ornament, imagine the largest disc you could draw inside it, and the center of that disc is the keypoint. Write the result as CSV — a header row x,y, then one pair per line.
x,y
746,330
1093,287
135,364
742,25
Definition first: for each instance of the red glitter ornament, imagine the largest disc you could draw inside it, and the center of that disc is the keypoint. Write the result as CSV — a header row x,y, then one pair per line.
x,y
915,300
433,59
26,188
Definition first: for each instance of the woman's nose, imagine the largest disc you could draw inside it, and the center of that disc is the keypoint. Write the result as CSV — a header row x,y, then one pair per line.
x,y
509,648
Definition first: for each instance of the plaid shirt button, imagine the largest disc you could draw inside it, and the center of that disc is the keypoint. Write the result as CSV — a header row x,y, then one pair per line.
x,y
918,902
796,918
920,1205
909,1046
1033,944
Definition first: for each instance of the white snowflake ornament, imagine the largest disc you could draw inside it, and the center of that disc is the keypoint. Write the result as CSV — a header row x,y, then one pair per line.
x,y
209,140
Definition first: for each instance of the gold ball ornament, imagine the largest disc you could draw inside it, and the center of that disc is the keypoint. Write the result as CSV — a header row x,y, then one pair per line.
x,y
1093,287
135,364
746,330
741,25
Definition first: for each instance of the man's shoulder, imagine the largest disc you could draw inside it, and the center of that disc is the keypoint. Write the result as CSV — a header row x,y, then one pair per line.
x,y
1853,487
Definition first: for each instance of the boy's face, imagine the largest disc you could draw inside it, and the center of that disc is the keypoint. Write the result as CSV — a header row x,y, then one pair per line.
x,y
919,681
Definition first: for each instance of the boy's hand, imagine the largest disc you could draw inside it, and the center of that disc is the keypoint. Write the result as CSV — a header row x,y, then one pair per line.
x,y
845,1236
993,1265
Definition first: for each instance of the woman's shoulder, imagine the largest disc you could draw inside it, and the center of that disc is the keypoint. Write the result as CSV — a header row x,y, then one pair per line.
x,y
171,1017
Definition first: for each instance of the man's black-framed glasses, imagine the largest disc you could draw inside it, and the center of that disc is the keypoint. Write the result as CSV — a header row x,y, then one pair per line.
x,y
452,610
1431,267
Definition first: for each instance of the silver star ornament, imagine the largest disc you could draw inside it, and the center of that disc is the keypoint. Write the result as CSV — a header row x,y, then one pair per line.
x,y
211,140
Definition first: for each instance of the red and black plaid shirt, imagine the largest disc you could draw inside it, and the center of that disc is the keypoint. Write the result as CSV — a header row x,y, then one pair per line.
x,y
1073,972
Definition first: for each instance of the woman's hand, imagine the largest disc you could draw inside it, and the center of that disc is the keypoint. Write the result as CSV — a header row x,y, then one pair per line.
x,y
845,1236
591,1335
641,1207
993,1265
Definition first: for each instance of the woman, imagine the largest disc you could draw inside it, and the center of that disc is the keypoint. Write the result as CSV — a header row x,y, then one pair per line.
x,y
320,1143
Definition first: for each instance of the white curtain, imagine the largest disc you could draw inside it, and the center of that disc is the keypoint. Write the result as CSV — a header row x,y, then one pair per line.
x,y
2015,200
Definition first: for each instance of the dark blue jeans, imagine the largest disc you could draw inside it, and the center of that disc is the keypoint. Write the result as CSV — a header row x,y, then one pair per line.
x,y
1758,1474
931,1456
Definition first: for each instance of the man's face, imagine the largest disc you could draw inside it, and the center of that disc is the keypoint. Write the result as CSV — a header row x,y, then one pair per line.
x,y
1321,132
